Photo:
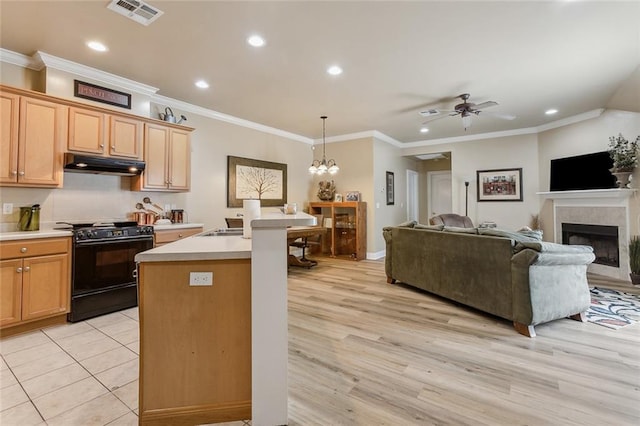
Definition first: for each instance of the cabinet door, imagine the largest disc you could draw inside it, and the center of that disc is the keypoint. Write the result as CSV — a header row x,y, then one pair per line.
x,y
156,147
179,160
125,136
11,290
9,110
43,127
86,131
45,286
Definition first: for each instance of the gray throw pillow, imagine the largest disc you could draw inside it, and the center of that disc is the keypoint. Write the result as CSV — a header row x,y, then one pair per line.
x,y
408,224
513,235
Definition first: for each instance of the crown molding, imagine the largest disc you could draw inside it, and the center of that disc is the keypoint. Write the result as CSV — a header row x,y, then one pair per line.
x,y
468,138
19,59
93,73
205,112
571,120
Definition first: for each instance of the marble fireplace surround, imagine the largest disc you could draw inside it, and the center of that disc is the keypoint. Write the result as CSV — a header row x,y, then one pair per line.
x,y
596,207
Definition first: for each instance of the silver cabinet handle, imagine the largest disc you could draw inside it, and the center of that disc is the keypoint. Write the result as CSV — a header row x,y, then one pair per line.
x,y
27,268
23,249
113,147
14,172
21,173
19,270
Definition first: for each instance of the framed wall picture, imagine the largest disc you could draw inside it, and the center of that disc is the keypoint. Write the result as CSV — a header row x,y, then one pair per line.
x,y
353,196
337,198
256,179
390,189
500,185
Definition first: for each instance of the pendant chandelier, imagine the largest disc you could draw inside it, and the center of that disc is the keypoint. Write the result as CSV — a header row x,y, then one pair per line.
x,y
321,167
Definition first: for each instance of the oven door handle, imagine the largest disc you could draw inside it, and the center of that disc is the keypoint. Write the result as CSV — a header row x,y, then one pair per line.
x,y
102,241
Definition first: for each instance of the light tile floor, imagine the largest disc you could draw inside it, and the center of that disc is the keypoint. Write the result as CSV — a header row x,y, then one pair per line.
x,y
83,373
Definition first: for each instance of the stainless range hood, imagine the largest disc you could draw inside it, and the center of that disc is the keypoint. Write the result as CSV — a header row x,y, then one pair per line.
x,y
80,163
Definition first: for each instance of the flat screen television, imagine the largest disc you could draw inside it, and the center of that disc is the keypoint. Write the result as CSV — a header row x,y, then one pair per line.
x,y
589,171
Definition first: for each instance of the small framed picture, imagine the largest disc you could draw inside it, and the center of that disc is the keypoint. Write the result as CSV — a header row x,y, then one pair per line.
x,y
337,198
390,185
353,196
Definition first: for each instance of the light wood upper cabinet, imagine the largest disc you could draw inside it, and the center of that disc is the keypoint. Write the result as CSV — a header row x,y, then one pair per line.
x,y
125,137
86,131
167,153
103,134
33,133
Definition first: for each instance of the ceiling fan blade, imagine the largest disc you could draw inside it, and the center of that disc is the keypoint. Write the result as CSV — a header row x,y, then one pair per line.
x,y
484,105
434,118
498,115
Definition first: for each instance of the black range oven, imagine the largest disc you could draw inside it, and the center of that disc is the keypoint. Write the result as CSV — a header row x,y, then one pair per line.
x,y
104,276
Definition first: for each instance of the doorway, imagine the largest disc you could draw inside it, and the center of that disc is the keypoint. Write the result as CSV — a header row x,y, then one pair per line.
x,y
412,195
439,197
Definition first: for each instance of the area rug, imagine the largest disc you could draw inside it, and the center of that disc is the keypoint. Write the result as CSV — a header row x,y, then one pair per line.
x,y
613,309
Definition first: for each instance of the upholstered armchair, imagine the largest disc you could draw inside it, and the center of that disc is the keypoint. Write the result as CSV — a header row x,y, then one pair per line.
x,y
452,219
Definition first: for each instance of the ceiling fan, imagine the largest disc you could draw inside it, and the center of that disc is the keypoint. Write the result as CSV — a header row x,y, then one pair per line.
x,y
465,109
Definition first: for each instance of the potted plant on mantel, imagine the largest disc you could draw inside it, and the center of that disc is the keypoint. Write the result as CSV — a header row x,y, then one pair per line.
x,y
625,158
634,259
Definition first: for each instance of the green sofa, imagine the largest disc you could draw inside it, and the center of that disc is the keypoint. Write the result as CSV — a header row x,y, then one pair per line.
x,y
512,275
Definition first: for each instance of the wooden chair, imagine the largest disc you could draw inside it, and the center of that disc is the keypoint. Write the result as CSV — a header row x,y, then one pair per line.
x,y
234,222
307,242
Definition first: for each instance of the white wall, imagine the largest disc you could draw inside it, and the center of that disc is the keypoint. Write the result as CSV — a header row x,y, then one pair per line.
x,y
583,138
500,153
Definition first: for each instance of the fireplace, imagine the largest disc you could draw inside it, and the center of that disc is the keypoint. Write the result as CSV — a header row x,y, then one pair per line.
x,y
608,210
603,239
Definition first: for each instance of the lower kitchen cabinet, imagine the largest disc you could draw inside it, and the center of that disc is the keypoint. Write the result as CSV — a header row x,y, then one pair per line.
x,y
166,236
35,277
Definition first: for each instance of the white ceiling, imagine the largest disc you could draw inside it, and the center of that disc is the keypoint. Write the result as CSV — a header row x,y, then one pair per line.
x,y
398,58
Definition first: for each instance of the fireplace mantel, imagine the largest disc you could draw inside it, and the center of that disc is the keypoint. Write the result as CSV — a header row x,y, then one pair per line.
x,y
592,193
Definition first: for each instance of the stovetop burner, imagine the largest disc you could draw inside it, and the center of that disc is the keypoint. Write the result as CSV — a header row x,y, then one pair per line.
x,y
98,224
106,230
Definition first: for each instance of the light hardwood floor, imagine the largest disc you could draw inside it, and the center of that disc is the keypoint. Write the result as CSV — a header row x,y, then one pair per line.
x,y
364,352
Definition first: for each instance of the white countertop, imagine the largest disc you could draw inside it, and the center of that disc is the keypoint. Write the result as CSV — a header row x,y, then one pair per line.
x,y
199,247
29,235
177,226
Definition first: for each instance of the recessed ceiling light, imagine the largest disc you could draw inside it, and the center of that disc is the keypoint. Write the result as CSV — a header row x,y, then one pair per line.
x,y
551,111
202,84
256,41
424,130
97,46
334,70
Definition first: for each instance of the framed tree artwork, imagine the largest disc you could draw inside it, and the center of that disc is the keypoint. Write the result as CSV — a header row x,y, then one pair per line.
x,y
256,179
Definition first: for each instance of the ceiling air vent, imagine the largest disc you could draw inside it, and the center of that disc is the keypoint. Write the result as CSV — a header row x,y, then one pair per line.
x,y
139,11
429,112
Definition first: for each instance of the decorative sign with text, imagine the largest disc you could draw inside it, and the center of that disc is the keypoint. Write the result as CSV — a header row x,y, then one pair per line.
x,y
101,94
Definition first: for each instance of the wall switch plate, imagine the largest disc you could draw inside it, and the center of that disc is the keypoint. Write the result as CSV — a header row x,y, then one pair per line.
x,y
7,208
200,278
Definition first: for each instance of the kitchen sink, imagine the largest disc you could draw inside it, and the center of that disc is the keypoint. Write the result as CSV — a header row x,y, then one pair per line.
x,y
222,232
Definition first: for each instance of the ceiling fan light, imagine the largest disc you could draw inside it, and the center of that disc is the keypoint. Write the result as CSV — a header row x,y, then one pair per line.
x,y
466,121
334,169
313,169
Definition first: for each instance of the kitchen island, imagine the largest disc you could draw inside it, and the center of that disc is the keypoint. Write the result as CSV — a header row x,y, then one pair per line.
x,y
213,326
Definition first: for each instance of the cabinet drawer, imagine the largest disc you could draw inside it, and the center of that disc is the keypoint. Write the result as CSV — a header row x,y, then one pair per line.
x,y
39,247
167,236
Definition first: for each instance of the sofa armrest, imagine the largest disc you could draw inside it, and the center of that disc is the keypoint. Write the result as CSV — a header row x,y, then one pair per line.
x,y
532,257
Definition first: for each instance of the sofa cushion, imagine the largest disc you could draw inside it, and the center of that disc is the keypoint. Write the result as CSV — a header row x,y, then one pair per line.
x,y
460,230
433,227
513,235
408,224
